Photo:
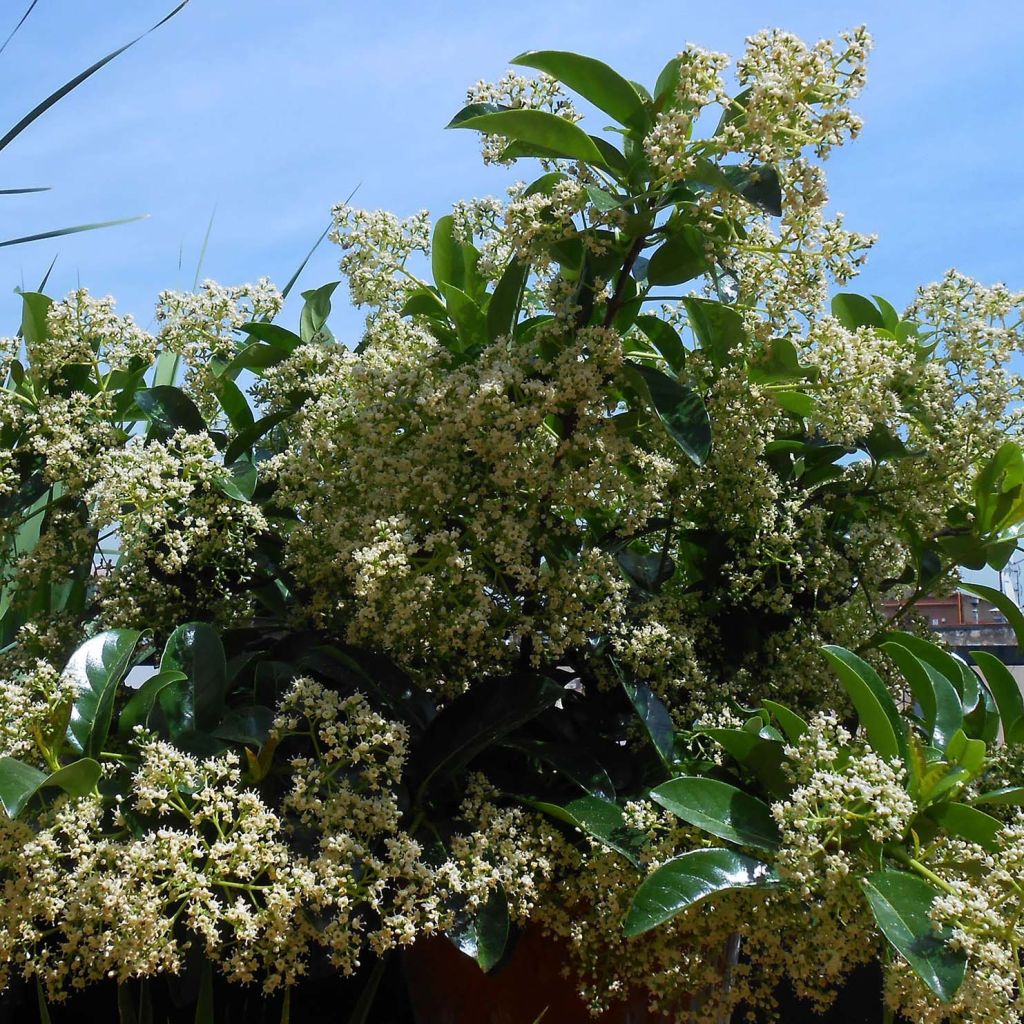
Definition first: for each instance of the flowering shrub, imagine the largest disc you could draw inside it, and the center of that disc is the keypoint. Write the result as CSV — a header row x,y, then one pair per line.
x,y
474,625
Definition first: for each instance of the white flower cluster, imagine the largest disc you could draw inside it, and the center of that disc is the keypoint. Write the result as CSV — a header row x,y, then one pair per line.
x,y
377,247
844,792
173,524
202,328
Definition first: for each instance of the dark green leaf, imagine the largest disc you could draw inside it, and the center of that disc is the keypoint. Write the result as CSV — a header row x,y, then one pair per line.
x,y
18,783
475,110
679,259
169,408
239,482
233,402
594,81
654,715
140,704
721,809
792,724
195,650
572,761
94,672
875,707
758,184
537,128
250,725
689,879
481,717
272,334
1006,795
854,311
446,259
680,408
968,823
424,302
601,819
485,936
901,903
1004,688
717,327
503,309
649,570
315,311
664,338
604,201
257,356
248,437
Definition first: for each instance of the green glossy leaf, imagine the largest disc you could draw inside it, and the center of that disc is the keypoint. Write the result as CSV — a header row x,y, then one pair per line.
x,y
594,81
537,128
195,650
601,819
792,724
717,327
239,483
969,823
503,309
257,356
250,725
875,707
941,709
664,338
689,879
758,184
34,311
679,259
234,404
799,403
168,408
19,782
679,408
485,936
854,311
446,259
94,672
137,710
250,435
272,334
655,717
901,903
1006,795
1004,689
424,302
721,809
468,317
315,311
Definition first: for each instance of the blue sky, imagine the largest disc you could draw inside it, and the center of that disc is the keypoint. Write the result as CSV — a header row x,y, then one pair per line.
x,y
271,110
